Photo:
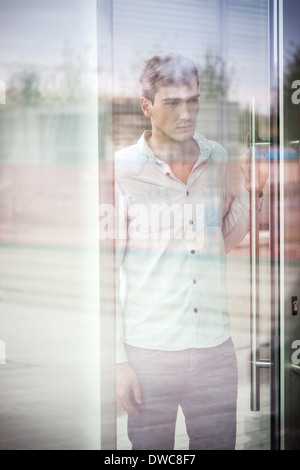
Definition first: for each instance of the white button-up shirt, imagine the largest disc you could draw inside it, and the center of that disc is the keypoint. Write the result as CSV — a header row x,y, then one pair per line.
x,y
170,248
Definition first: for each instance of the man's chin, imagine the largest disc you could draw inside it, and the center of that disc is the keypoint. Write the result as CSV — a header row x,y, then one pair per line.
x,y
184,137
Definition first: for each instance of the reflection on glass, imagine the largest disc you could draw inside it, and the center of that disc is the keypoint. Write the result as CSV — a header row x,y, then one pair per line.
x,y
228,41
49,187
48,226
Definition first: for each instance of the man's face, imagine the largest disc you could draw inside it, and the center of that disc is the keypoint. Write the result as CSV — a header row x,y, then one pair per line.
x,y
174,112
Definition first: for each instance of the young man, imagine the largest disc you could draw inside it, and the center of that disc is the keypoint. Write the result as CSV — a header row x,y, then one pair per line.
x,y
176,219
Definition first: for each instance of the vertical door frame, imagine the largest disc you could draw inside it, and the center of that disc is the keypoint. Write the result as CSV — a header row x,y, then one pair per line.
x,y
108,415
277,225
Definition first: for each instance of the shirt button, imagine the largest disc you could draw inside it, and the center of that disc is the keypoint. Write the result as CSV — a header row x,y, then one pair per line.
x,y
193,252
195,310
167,174
187,193
191,222
194,281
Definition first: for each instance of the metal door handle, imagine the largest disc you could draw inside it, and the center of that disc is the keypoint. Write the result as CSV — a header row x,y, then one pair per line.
x,y
255,362
296,368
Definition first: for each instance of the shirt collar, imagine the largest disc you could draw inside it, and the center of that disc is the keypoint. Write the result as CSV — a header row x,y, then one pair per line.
x,y
204,145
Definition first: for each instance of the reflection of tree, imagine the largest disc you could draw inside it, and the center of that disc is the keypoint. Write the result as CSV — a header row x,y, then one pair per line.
x,y
215,74
24,87
68,82
292,111
215,77
74,67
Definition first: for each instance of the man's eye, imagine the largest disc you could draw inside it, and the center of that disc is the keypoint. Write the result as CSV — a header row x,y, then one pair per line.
x,y
172,103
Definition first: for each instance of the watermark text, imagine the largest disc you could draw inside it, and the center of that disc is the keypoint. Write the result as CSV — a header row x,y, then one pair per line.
x,y
152,222
296,354
296,94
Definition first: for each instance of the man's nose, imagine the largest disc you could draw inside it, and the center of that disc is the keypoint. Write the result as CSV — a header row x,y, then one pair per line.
x,y
185,112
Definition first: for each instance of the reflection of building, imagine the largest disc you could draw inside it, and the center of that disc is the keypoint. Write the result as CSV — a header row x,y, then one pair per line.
x,y
45,174
37,194
41,135
44,165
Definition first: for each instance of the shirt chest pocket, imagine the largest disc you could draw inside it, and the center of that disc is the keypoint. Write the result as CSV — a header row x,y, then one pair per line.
x,y
213,205
149,214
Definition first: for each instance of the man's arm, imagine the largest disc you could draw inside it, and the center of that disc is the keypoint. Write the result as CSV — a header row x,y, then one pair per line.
x,y
120,250
262,171
236,222
127,385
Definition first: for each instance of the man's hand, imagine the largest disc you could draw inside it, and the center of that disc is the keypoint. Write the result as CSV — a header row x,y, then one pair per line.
x,y
262,170
128,388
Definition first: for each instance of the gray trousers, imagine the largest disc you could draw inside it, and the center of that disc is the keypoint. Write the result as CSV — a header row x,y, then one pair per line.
x,y
202,381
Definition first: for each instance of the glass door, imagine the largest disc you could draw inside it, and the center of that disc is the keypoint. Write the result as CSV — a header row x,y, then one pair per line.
x,y
233,45
59,130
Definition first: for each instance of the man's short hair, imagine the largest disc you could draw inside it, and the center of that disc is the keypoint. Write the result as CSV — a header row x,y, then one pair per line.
x,y
166,70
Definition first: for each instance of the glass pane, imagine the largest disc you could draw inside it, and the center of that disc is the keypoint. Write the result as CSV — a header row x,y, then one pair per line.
x,y
229,43
49,384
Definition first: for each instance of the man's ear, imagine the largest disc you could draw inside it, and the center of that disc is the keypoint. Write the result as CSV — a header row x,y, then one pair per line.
x,y
146,106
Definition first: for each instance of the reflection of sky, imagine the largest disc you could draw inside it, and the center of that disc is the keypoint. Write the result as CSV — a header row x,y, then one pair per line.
x,y
237,30
35,31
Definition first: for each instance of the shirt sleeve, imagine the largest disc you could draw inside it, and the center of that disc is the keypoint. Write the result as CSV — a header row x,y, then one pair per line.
x,y
236,220
120,250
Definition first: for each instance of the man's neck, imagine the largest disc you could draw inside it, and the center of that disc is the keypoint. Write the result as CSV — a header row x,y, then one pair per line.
x,y
174,152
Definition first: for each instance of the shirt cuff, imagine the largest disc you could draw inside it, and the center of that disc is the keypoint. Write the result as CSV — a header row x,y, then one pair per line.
x,y
244,199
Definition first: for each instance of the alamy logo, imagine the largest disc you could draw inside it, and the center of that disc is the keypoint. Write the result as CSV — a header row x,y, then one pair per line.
x,y
2,353
2,92
296,94
153,222
296,354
